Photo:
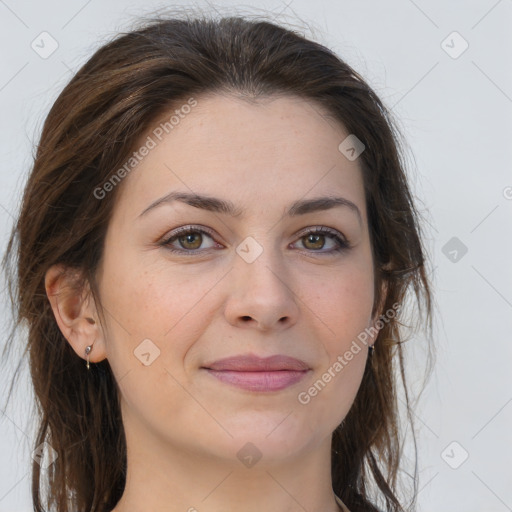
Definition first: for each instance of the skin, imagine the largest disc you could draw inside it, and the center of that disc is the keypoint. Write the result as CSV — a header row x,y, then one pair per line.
x,y
183,427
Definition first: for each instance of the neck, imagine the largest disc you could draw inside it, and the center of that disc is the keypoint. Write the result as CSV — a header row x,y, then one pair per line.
x,y
166,478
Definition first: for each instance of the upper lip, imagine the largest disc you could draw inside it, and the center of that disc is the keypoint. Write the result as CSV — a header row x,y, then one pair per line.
x,y
253,363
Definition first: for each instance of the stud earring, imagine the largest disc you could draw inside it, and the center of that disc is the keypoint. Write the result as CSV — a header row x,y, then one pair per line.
x,y
89,347
87,351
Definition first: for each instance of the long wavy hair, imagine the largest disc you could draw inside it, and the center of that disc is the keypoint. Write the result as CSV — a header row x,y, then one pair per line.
x,y
90,131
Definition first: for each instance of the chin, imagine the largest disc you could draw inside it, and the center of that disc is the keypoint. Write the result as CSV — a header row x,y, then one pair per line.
x,y
274,441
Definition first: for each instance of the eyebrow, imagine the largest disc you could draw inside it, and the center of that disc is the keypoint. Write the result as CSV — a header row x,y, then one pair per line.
x,y
214,204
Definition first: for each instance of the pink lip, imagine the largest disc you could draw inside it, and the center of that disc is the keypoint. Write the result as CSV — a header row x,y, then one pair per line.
x,y
259,374
252,363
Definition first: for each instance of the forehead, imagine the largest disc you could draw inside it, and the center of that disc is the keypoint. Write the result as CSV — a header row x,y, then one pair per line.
x,y
264,152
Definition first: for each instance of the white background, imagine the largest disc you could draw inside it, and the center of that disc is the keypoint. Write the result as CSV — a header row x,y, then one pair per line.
x,y
456,114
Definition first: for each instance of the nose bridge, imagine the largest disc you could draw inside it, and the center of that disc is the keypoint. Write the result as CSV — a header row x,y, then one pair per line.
x,y
261,289
258,262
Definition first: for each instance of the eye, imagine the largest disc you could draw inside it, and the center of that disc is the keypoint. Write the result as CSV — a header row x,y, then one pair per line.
x,y
314,239
189,238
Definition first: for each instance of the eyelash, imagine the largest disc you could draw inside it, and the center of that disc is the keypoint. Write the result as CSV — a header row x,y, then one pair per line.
x,y
343,244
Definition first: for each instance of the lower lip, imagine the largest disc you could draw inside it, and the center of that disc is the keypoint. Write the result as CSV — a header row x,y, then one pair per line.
x,y
259,381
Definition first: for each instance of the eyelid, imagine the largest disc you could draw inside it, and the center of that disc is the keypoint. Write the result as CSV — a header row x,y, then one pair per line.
x,y
189,228
323,230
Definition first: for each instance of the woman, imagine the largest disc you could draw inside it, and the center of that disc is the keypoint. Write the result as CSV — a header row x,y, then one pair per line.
x,y
212,252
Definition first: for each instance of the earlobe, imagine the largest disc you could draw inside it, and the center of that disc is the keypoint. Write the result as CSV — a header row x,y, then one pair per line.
x,y
74,312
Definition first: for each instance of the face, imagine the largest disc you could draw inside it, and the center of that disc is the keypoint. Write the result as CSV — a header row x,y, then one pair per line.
x,y
185,285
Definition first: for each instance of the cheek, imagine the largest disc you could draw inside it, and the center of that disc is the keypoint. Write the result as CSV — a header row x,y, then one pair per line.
x,y
342,300
155,319
154,302
344,306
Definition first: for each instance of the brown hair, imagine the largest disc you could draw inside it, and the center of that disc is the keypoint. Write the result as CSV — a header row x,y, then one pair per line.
x,y
90,131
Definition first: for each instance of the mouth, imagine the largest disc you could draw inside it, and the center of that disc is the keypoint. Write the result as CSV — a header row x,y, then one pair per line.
x,y
254,373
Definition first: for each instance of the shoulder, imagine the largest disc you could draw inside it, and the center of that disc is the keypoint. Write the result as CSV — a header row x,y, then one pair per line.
x,y
341,504
344,508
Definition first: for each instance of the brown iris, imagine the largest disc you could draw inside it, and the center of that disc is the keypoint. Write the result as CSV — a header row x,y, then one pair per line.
x,y
315,239
189,239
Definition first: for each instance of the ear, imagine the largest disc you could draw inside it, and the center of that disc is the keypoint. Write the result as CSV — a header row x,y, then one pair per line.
x,y
75,312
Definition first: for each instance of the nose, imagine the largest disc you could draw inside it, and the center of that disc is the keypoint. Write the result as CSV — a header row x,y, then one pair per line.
x,y
261,294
